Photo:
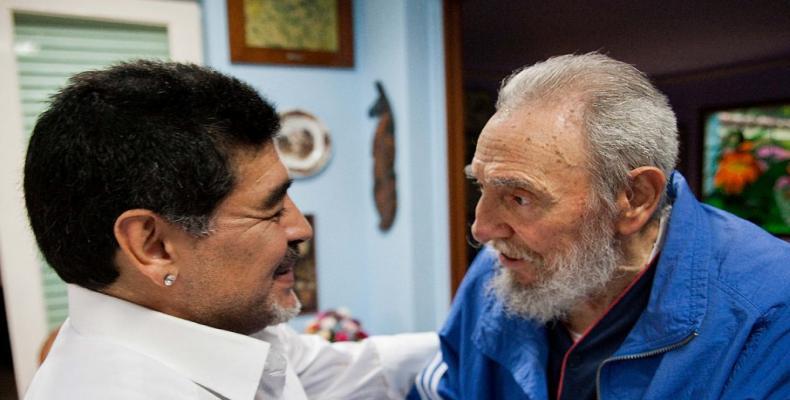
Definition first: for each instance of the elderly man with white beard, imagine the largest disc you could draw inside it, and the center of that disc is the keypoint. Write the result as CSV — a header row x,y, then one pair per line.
x,y
603,277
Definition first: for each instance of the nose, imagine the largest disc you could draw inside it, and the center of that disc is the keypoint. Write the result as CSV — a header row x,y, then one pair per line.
x,y
297,228
490,221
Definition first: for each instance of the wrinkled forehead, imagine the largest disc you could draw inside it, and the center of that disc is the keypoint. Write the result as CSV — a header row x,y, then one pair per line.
x,y
554,129
539,142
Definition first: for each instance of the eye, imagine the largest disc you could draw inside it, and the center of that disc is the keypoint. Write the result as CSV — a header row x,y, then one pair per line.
x,y
521,200
277,216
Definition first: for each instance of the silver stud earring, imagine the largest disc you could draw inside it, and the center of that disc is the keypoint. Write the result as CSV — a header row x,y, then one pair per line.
x,y
170,279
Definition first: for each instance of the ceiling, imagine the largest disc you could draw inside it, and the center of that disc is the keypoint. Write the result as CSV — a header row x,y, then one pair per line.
x,y
662,38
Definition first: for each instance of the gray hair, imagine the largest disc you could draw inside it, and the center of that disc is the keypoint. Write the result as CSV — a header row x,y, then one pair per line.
x,y
628,122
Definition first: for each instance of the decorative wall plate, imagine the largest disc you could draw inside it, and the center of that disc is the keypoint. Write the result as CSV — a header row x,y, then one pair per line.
x,y
303,143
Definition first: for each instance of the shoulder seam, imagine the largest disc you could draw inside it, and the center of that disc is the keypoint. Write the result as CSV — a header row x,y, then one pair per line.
x,y
736,295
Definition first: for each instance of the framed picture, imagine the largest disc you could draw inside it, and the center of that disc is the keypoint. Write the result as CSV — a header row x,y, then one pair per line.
x,y
306,285
301,32
746,161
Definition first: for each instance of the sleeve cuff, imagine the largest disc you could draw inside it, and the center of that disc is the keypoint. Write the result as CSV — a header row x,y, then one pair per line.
x,y
402,357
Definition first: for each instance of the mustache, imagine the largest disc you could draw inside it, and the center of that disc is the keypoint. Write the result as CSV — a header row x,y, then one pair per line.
x,y
516,251
291,256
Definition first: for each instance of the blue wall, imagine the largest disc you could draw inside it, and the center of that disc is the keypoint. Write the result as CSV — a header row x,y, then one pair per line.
x,y
399,280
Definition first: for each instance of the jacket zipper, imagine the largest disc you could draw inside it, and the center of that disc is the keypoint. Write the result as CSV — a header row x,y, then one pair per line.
x,y
646,354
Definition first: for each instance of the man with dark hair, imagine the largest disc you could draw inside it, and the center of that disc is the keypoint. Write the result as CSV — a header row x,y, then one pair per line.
x,y
603,277
155,191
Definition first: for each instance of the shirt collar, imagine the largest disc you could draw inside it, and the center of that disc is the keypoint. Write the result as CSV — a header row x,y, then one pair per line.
x,y
660,238
225,362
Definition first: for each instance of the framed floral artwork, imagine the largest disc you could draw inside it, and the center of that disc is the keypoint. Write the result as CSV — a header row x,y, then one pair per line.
x,y
302,32
747,164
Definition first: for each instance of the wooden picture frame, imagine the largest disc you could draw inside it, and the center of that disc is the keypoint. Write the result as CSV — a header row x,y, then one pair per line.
x,y
275,32
306,285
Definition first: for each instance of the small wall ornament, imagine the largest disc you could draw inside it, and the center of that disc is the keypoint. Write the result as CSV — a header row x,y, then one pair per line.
x,y
384,179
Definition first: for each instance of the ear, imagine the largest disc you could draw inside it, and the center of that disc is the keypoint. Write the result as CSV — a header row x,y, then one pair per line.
x,y
640,199
142,236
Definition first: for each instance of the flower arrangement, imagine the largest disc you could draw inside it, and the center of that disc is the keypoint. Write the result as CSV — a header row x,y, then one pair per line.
x,y
336,326
752,177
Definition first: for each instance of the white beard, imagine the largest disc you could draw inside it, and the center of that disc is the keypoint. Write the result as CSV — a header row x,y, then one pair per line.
x,y
564,278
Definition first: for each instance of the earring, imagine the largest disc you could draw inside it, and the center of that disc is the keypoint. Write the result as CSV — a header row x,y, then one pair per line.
x,y
170,279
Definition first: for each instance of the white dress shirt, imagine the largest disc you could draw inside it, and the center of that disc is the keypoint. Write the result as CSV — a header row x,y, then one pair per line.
x,y
112,349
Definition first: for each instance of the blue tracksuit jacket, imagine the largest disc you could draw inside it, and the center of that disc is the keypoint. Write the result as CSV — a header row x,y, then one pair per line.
x,y
717,325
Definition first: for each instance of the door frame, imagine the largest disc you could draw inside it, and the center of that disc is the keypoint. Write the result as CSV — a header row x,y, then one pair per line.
x,y
456,179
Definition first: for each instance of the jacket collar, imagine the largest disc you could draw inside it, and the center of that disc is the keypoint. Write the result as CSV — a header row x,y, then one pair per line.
x,y
227,363
678,298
